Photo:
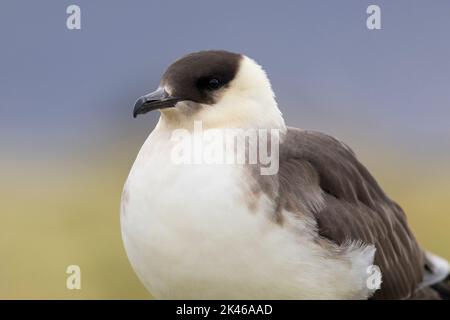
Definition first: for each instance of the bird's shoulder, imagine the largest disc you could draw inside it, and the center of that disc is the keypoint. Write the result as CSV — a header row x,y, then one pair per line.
x,y
330,166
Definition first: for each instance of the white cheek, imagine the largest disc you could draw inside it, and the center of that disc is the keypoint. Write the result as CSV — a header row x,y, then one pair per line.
x,y
242,110
168,89
249,100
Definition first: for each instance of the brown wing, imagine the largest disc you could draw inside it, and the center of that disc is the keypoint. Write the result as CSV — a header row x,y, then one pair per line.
x,y
355,208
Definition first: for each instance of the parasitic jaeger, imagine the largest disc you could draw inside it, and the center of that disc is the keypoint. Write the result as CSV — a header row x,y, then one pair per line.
x,y
312,230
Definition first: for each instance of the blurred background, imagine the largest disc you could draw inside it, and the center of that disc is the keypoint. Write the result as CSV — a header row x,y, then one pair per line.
x,y
68,138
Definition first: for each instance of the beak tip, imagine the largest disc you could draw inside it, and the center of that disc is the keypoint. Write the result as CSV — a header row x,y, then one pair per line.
x,y
138,106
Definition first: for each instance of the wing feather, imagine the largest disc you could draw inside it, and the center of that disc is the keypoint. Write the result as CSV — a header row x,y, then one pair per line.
x,y
354,206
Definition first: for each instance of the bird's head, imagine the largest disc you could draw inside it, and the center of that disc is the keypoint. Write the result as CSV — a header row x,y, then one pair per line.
x,y
219,88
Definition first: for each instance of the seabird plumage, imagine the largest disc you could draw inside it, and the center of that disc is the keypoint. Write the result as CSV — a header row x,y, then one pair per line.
x,y
309,231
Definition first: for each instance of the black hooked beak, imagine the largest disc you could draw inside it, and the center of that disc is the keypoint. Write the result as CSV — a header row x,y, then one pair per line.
x,y
158,99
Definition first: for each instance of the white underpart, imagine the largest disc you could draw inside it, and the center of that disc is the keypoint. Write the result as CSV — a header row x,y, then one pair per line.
x,y
190,234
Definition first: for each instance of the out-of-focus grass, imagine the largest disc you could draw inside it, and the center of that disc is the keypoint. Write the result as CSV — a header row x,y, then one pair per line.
x,y
422,188
53,216
63,216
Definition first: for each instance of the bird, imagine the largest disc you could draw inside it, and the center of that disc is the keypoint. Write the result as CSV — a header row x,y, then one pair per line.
x,y
318,227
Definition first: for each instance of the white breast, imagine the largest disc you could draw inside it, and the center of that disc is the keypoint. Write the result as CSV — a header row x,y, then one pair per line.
x,y
188,233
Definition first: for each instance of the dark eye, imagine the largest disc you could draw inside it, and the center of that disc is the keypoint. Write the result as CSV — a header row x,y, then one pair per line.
x,y
213,84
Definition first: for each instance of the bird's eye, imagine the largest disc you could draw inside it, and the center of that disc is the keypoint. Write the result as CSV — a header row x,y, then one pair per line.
x,y
213,84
